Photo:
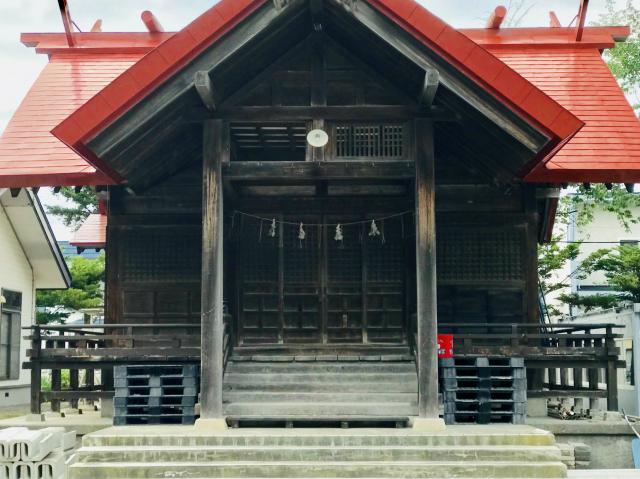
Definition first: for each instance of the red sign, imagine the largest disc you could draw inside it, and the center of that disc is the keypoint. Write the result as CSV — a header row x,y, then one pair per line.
x,y
445,346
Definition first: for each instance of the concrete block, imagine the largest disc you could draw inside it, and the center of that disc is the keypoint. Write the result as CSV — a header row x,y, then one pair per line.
x,y
51,467
537,407
106,407
5,437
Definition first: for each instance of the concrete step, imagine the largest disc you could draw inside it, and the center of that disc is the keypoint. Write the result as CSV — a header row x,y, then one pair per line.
x,y
320,377
309,469
275,385
454,436
307,396
321,367
153,454
309,408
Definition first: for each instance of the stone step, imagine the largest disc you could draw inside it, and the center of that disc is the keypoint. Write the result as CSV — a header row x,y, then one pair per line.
x,y
381,469
321,367
153,454
274,385
313,377
454,436
314,409
309,396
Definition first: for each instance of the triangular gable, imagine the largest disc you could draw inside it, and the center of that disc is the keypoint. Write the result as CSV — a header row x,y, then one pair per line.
x,y
153,69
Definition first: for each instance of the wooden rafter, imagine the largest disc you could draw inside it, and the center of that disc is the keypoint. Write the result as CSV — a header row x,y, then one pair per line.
x,y
430,87
204,87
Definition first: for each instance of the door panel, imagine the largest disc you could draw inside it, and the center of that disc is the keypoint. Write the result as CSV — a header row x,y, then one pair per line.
x,y
322,289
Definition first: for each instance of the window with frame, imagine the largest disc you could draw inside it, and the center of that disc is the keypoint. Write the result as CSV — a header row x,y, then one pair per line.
x,y
10,323
629,242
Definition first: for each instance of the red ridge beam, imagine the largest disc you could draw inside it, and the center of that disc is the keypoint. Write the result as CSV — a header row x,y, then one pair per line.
x,y
497,17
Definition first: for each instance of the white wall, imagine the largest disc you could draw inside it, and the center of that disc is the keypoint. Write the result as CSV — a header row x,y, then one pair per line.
x,y
15,274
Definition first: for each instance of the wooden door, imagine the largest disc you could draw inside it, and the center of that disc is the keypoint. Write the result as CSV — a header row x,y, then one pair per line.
x,y
320,289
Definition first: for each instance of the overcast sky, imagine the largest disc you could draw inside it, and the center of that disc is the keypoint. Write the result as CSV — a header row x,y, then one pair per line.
x,y
20,65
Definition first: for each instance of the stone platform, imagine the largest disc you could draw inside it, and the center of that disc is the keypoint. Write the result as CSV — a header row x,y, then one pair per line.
x,y
503,451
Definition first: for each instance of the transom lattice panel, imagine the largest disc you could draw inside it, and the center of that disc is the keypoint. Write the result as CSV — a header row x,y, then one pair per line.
x,y
370,140
482,254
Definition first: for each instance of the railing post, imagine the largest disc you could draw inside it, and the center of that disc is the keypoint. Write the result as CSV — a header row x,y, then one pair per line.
x,y
636,353
612,371
36,372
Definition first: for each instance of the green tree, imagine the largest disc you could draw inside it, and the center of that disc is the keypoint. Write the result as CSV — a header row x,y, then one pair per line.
x,y
82,203
624,59
552,258
585,201
86,291
621,267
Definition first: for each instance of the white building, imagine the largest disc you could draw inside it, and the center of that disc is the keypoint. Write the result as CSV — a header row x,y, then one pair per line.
x,y
29,260
605,231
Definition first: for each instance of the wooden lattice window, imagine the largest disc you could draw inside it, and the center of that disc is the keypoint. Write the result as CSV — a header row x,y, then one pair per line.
x,y
162,255
480,254
370,140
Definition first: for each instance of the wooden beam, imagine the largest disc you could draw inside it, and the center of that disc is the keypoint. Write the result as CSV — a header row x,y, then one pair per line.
x,y
430,87
66,21
426,282
554,22
497,17
421,56
307,113
204,87
582,18
315,171
212,330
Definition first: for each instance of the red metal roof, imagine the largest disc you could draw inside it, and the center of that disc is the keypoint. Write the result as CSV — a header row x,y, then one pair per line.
x,y
29,154
607,149
492,74
92,233
102,77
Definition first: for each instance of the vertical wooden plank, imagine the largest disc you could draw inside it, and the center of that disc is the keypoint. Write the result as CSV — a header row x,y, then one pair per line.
x,y
281,279
612,371
324,274
215,147
531,299
365,287
36,372
427,343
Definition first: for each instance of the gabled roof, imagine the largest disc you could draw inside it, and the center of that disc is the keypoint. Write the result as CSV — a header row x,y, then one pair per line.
x,y
29,154
490,73
92,233
107,73
32,230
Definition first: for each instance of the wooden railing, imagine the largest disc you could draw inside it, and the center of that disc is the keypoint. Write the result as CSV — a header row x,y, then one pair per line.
x,y
563,360
578,360
96,349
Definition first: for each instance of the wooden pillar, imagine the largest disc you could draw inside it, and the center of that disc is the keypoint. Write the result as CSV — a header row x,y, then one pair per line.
x,y
215,150
427,339
36,372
